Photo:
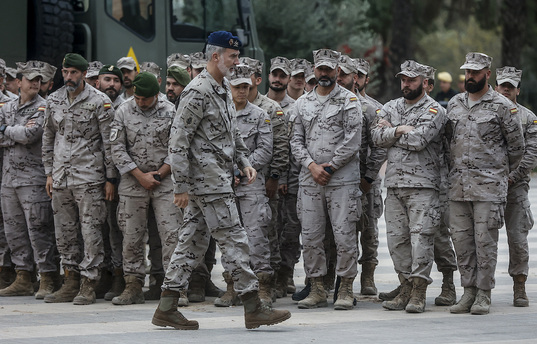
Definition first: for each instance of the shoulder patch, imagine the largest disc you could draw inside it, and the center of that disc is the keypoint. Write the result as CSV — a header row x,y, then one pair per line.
x,y
353,99
113,134
41,108
2,104
377,111
535,121
279,113
107,105
514,111
267,120
433,111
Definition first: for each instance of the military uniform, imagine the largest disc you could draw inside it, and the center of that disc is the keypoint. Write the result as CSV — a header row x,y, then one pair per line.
x,y
76,153
5,255
140,140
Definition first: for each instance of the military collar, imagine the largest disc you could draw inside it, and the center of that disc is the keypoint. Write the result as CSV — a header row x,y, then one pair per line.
x,y
334,93
31,102
488,96
220,89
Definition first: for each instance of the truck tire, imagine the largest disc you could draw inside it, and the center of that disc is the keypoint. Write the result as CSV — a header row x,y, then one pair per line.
x,y
50,30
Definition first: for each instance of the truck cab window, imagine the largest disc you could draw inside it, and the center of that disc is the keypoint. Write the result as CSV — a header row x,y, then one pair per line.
x,y
136,15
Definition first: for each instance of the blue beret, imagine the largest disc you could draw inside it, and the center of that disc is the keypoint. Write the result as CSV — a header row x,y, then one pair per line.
x,y
224,39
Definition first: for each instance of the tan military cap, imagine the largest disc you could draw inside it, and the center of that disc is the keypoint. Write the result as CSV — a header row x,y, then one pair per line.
x,y
282,63
12,72
362,65
150,67
31,69
241,75
508,74
431,72
310,74
298,66
93,69
48,72
347,64
413,69
256,66
477,61
178,60
445,76
326,57
126,62
198,60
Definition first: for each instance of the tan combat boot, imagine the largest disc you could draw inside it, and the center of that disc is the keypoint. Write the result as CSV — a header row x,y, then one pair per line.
x,y
7,276
520,299
345,295
448,295
481,304
155,289
317,296
367,279
168,315
256,313
22,286
69,289
417,296
265,294
196,287
230,297
132,294
49,283
390,295
401,300
466,301
86,295
118,285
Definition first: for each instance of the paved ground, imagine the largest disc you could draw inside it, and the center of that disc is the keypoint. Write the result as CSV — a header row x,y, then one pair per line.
x,y
26,320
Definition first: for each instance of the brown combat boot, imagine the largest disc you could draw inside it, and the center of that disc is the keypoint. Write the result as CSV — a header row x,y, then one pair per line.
x,y
265,294
69,289
367,279
168,315
520,299
22,286
256,313
390,295
155,289
230,297
49,283
86,295
7,276
118,285
317,296
196,287
345,295
448,295
466,301
132,294
401,300
417,296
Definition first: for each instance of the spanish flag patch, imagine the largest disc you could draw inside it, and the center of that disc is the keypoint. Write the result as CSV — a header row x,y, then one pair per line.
x,y
107,105
435,111
2,104
513,111
353,99
279,113
377,111
535,121
41,108
267,120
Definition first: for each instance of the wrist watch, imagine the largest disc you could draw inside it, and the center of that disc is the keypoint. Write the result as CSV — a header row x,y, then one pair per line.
x,y
3,128
275,176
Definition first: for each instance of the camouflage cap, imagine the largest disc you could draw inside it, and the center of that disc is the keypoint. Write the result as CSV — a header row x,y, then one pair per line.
x,y
224,39
362,65
326,57
75,61
150,67
256,66
430,72
310,73
347,64
179,74
241,75
126,62
111,69
508,74
477,61
2,68
413,69
198,60
445,76
30,69
282,63
12,72
179,60
298,66
146,85
48,72
93,68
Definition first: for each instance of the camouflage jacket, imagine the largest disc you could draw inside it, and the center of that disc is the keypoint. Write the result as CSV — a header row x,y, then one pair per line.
x,y
22,163
529,160
290,177
371,156
486,142
205,142
414,158
76,146
328,132
256,131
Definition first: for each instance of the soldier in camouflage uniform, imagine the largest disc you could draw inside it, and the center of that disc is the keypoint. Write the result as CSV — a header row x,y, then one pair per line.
x,y
205,145
127,66
139,136
518,216
297,81
198,62
76,155
411,128
326,142
486,143
48,79
25,204
93,72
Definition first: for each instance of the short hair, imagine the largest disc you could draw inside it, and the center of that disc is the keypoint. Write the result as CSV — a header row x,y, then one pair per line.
x,y
431,81
211,49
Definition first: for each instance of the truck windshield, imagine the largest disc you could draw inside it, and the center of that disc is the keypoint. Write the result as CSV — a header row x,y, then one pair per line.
x,y
194,20
136,15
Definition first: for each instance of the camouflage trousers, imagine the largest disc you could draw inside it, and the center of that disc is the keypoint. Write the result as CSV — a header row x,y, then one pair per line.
x,y
112,238
215,215
290,234
273,235
474,230
79,213
518,222
412,219
155,245
341,206
132,220
29,228
444,253
368,231
255,214
5,253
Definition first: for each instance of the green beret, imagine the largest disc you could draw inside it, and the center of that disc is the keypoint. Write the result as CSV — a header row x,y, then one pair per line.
x,y
179,74
75,61
111,69
146,85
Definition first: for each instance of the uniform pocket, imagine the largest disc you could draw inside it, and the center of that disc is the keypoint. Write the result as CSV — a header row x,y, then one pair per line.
x,y
496,216
221,213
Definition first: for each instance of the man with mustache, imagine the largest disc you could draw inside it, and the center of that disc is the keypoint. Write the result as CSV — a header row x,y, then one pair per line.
x,y
127,65
486,144
411,128
80,175
326,142
176,80
110,82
